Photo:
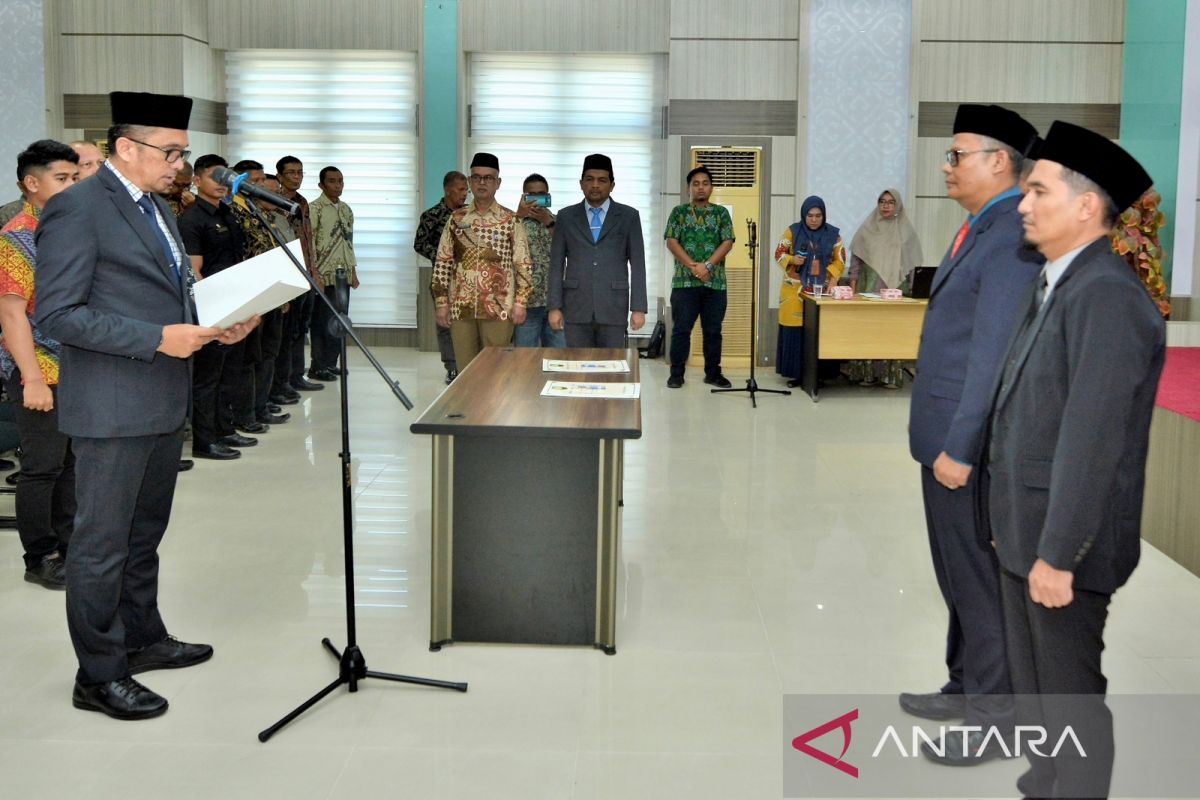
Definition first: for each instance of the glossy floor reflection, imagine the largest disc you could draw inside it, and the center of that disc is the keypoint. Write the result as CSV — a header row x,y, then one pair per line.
x,y
765,551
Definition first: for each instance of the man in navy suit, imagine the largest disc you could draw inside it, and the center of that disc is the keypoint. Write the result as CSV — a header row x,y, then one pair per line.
x,y
1066,457
597,281
114,288
972,309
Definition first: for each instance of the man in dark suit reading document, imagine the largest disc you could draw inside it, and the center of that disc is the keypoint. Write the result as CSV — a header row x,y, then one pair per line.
x,y
114,288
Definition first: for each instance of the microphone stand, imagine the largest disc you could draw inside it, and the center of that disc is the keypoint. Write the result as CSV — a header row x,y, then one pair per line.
x,y
752,384
352,665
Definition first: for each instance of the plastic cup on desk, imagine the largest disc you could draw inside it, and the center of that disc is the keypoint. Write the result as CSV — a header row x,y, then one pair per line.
x,y
815,290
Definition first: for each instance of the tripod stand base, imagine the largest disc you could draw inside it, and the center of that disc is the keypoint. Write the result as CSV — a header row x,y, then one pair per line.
x,y
752,388
352,668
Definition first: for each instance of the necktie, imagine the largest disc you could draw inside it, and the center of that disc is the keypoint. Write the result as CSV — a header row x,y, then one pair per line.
x,y
1025,328
1040,292
596,224
958,240
147,206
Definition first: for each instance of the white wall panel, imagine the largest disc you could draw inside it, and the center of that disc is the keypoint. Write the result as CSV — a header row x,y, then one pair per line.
x,y
783,164
937,220
721,70
203,71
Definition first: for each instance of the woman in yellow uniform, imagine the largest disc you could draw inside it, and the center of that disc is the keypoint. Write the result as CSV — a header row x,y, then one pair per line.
x,y
810,253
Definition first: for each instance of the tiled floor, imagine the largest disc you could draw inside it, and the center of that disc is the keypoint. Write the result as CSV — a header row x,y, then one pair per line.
x,y
765,551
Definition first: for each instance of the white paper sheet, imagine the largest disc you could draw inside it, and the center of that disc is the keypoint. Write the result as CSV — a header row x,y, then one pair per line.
x,y
603,391
561,365
252,287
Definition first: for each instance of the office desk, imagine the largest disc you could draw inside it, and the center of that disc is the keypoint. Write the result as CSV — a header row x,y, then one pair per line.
x,y
526,494
858,329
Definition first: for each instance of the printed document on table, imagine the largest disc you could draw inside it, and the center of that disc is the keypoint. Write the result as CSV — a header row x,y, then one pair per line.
x,y
562,365
603,391
254,286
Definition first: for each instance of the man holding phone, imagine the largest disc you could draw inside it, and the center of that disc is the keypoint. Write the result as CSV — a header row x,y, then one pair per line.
x,y
538,220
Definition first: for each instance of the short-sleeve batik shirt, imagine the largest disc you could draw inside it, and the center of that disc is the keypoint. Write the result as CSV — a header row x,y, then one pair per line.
x,y
700,232
540,238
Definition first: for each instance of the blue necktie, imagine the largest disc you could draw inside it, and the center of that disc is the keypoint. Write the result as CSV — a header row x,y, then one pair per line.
x,y
147,206
596,223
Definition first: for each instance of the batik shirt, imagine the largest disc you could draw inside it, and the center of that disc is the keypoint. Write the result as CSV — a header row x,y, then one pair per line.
x,y
258,239
699,232
429,230
540,238
333,238
18,256
483,266
301,224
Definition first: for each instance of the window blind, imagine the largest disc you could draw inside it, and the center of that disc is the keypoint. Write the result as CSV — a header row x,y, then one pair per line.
x,y
544,112
355,110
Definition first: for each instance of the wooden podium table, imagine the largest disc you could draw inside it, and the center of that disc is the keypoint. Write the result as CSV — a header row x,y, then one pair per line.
x,y
858,329
526,494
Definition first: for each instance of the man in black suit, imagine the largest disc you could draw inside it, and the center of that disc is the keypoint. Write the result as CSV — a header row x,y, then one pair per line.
x,y
114,289
973,307
597,281
1070,426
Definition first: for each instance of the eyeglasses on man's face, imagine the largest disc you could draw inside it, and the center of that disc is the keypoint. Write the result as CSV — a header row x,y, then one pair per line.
x,y
485,180
173,155
953,157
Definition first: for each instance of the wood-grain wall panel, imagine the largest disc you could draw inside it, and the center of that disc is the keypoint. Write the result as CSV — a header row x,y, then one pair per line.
x,y
1021,20
315,24
554,26
721,19
992,72
100,64
727,70
92,17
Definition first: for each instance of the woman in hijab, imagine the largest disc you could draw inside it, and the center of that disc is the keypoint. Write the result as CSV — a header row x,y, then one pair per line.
x,y
884,252
810,253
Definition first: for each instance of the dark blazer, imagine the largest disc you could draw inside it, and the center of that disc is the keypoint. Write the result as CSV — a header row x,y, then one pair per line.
x,y
105,290
599,281
973,306
1070,428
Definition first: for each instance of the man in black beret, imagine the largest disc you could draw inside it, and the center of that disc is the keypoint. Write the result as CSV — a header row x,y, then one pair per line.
x,y
973,305
597,284
1070,428
114,288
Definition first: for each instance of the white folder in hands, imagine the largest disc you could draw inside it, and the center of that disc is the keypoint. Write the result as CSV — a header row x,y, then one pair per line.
x,y
254,286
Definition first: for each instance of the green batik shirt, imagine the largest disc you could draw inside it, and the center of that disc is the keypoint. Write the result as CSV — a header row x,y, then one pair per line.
x,y
700,232
540,238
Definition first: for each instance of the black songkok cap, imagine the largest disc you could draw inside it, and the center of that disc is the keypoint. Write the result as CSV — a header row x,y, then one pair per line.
x,y
998,123
1035,147
486,160
1098,159
598,161
152,110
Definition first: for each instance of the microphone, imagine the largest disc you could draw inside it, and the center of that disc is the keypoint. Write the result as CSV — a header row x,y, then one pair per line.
x,y
238,184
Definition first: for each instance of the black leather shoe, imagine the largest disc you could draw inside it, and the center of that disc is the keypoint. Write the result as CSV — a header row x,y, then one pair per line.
x,y
123,699
285,399
718,380
254,427
973,752
170,653
50,571
794,383
323,374
451,374
307,386
272,408
674,382
185,464
12,478
217,452
237,440
936,705
273,419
